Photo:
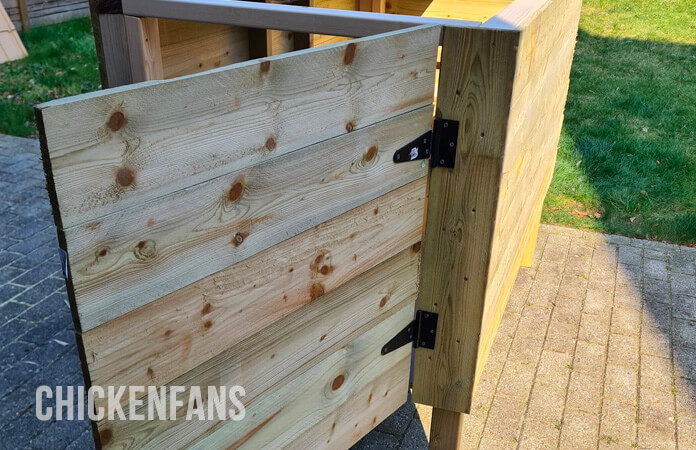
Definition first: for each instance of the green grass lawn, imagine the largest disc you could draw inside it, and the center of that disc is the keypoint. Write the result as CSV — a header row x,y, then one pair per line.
x,y
61,62
627,157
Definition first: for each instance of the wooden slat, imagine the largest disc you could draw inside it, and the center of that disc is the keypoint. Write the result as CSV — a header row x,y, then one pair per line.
x,y
476,77
154,344
287,379
518,15
472,10
317,40
283,17
119,148
130,258
190,47
144,48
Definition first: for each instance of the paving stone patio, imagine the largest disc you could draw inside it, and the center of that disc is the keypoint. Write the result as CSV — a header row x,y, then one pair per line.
x,y
596,349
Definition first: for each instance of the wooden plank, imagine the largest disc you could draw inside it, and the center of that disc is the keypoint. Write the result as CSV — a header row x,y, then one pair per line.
x,y
471,10
113,50
23,14
317,40
11,46
190,47
112,149
132,257
515,97
144,49
338,335
266,287
476,77
283,17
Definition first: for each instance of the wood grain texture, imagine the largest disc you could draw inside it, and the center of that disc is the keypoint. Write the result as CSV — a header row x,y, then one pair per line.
x,y
446,430
470,10
112,49
536,115
510,89
317,40
190,47
351,23
476,76
289,381
517,15
118,148
130,258
144,49
154,344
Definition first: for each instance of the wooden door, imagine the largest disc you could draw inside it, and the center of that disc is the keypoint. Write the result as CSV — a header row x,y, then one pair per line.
x,y
248,226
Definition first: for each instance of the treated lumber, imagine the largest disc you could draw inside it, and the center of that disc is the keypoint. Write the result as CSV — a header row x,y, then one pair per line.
x,y
446,430
190,47
509,87
283,17
252,294
317,40
132,257
113,56
470,10
118,148
23,14
337,336
144,48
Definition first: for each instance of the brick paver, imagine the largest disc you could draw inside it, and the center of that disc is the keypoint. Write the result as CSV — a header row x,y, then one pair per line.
x,y
596,349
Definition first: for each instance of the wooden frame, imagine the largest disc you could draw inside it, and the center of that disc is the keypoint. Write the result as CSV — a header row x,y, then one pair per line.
x,y
503,75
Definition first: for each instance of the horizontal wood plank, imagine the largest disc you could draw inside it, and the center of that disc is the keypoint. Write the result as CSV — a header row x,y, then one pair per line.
x,y
121,147
474,10
154,344
130,258
340,333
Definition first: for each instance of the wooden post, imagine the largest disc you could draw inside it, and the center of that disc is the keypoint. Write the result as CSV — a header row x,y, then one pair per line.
x,y
528,255
23,14
446,430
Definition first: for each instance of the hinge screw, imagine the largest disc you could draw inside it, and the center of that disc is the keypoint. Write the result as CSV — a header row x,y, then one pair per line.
x,y
442,161
445,125
451,144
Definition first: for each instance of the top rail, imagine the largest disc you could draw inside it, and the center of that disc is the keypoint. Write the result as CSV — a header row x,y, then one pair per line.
x,y
298,19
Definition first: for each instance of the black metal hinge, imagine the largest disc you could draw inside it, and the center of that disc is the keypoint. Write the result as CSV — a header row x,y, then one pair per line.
x,y
421,332
438,144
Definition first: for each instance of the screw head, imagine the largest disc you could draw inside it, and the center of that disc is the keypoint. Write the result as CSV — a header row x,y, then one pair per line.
x,y
442,161
445,125
451,144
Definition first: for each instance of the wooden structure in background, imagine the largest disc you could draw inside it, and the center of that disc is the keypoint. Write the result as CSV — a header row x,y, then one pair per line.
x,y
206,215
25,13
11,46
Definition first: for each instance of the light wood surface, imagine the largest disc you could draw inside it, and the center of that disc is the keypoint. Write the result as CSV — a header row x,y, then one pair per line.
x,y
476,76
292,383
468,10
144,48
509,87
447,430
160,341
119,148
190,47
283,17
11,47
130,258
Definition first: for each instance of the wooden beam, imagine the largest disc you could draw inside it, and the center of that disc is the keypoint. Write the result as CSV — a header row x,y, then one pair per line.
x,y
282,17
112,50
446,429
177,133
144,49
476,77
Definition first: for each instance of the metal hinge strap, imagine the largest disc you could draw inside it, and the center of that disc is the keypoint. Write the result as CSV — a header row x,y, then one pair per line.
x,y
421,332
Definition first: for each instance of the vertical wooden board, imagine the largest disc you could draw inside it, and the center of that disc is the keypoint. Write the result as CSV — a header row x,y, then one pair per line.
x,y
144,48
112,50
154,344
318,40
119,148
536,115
191,47
476,77
338,334
130,258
